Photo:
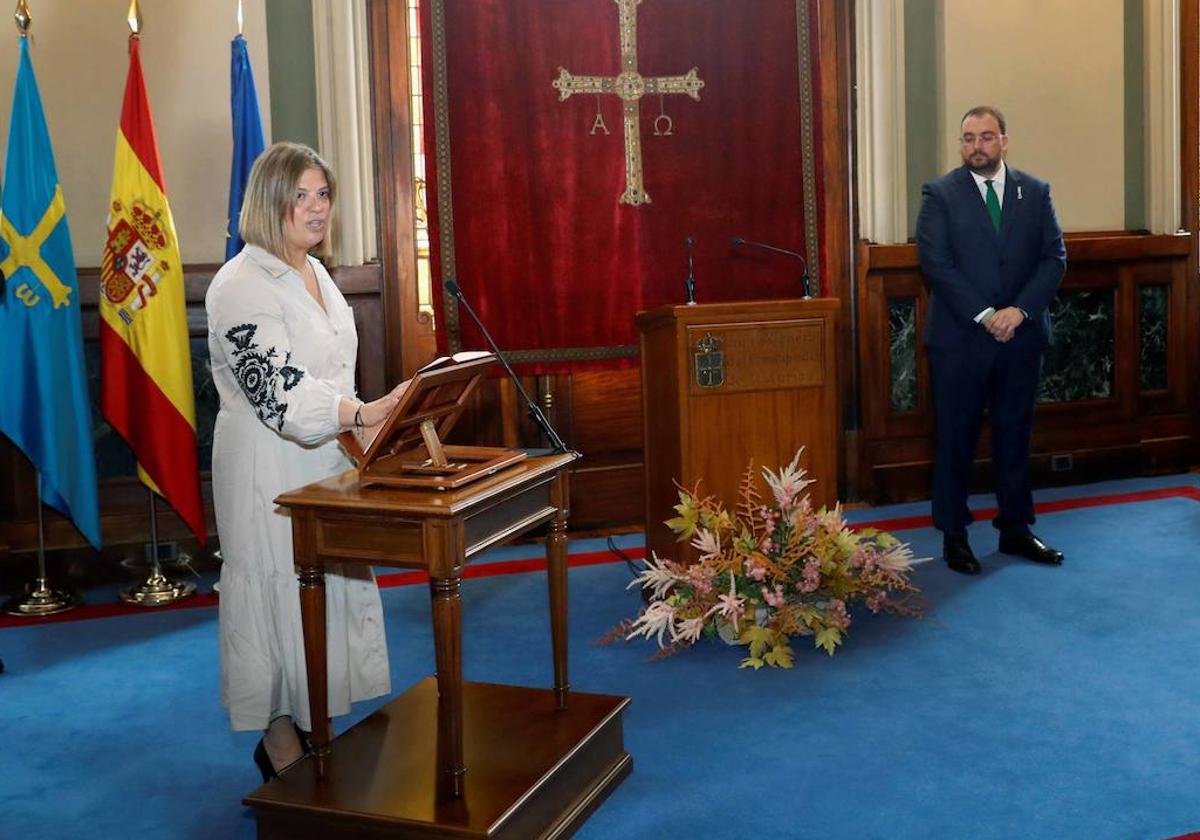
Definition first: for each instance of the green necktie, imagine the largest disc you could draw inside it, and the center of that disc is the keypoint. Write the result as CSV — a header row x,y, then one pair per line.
x,y
993,205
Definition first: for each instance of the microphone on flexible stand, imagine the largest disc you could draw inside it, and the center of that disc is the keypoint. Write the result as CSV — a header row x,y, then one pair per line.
x,y
690,283
804,280
535,411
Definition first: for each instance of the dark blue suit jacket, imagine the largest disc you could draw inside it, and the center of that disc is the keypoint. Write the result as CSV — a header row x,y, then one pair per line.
x,y
969,266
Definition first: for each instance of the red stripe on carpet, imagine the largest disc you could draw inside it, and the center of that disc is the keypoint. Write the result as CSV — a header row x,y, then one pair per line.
x,y
907,523
595,558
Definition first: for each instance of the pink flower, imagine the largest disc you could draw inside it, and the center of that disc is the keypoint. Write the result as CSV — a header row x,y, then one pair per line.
x,y
810,580
774,599
838,617
755,571
697,576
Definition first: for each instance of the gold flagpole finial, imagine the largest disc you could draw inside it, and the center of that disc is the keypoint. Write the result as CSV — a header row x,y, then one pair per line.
x,y
23,18
134,18
239,17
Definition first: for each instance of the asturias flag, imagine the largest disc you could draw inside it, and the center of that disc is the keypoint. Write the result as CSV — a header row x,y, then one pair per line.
x,y
45,409
145,358
247,139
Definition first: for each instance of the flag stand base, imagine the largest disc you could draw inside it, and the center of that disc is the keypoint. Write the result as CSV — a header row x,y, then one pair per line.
x,y
157,591
41,600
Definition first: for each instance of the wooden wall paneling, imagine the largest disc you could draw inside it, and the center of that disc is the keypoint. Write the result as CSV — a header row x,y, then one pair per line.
x,y
1189,163
606,426
1129,433
835,73
408,337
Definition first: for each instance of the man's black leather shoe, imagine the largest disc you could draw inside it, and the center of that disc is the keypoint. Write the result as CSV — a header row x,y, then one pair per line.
x,y
958,555
1031,548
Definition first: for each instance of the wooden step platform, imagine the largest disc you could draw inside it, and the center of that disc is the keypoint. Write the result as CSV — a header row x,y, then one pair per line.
x,y
533,771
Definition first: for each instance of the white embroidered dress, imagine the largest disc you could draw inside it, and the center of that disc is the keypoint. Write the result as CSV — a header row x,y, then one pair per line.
x,y
281,364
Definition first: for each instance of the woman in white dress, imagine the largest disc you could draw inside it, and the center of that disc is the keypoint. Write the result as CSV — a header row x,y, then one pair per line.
x,y
283,348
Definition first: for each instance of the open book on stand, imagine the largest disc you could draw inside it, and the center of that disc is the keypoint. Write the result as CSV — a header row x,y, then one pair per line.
x,y
458,358
406,450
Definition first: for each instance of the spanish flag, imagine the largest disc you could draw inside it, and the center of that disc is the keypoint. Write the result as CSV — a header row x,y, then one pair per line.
x,y
146,363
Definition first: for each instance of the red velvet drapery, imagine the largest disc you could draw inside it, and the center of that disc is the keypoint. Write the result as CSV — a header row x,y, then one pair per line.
x,y
529,222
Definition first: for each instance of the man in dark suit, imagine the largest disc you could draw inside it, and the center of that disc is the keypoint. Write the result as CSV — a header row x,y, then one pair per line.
x,y
992,252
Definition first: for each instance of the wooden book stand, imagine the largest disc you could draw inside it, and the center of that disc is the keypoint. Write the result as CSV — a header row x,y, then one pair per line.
x,y
408,450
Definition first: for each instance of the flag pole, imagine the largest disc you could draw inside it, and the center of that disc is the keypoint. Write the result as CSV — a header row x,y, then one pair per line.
x,y
40,599
157,590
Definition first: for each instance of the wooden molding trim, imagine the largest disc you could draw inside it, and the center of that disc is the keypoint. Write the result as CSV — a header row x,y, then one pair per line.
x,y
1088,247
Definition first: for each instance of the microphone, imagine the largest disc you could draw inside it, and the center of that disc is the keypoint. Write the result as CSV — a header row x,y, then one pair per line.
x,y
535,411
804,281
690,284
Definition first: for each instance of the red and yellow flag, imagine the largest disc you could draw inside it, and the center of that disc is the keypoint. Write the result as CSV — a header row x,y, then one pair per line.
x,y
145,358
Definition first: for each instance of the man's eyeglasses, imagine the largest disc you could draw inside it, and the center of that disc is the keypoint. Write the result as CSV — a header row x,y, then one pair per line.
x,y
987,138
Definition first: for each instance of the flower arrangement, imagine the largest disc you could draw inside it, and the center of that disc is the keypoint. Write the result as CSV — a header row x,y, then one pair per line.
x,y
769,571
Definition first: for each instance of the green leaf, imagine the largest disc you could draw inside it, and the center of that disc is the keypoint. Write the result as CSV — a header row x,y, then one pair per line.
x,y
758,639
780,656
829,638
689,516
751,662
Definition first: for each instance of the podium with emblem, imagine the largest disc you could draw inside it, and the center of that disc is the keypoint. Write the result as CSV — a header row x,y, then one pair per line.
x,y
727,384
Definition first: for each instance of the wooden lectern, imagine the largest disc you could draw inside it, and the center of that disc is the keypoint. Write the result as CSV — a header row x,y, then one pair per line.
x,y
724,384
447,758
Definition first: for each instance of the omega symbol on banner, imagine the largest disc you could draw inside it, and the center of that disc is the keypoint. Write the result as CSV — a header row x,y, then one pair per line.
x,y
631,86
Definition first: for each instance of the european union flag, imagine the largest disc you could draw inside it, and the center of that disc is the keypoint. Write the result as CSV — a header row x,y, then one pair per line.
x,y
45,409
247,139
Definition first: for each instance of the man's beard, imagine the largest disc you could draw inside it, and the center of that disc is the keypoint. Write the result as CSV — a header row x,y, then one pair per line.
x,y
989,166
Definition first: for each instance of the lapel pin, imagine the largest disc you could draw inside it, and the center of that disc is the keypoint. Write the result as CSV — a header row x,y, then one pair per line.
x,y
1018,193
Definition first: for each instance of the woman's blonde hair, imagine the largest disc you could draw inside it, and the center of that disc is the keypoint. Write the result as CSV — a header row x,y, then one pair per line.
x,y
271,195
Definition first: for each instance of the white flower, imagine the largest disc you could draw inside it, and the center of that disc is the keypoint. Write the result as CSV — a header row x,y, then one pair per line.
x,y
729,606
657,578
687,631
788,483
655,621
706,543
899,559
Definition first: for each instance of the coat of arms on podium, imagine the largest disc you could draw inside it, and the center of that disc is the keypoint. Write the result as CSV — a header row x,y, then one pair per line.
x,y
710,362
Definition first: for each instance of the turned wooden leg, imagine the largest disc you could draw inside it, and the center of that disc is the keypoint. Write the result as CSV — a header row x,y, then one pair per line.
x,y
556,573
312,616
447,646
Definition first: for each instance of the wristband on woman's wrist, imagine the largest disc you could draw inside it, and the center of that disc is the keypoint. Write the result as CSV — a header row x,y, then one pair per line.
x,y
358,421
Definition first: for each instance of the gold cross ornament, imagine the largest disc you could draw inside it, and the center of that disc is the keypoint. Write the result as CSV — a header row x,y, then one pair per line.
x,y
631,86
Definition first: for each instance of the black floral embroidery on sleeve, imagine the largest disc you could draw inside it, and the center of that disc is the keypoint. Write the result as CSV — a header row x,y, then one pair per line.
x,y
257,372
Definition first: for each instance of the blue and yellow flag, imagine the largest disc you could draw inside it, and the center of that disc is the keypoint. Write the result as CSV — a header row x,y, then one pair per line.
x,y
45,409
247,139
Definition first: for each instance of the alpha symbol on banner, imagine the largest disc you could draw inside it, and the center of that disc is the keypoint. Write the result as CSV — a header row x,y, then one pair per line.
x,y
631,86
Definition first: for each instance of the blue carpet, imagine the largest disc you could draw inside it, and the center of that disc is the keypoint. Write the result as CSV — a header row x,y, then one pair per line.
x,y
1031,702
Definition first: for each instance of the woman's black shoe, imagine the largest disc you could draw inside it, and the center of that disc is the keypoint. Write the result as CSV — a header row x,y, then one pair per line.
x,y
264,762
